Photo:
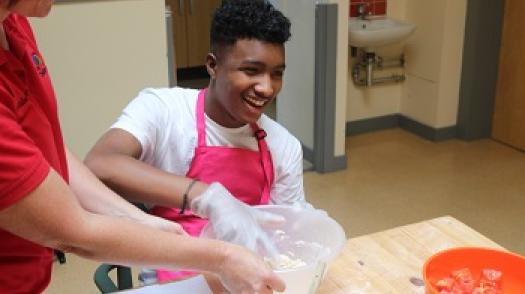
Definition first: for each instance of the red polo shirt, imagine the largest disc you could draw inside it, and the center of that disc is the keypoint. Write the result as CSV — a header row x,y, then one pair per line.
x,y
30,144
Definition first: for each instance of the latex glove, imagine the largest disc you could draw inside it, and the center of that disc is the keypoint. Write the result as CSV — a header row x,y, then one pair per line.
x,y
234,221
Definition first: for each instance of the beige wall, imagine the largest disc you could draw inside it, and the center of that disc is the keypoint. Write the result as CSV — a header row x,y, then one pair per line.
x,y
433,53
298,89
423,54
451,63
299,79
100,54
382,99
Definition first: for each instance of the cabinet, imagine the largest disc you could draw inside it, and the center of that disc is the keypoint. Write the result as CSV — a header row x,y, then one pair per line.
x,y
191,26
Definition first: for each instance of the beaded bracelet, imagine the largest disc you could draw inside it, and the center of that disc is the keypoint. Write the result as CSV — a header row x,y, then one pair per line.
x,y
185,196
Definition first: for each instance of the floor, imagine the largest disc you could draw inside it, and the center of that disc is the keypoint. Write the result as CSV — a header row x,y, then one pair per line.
x,y
395,178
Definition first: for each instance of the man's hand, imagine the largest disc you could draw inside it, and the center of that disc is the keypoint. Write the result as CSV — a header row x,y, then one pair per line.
x,y
234,221
243,272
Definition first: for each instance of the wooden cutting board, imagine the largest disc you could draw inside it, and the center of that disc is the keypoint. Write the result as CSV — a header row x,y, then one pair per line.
x,y
391,261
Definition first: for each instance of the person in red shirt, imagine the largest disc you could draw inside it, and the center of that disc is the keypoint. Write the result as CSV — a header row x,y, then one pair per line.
x,y
49,199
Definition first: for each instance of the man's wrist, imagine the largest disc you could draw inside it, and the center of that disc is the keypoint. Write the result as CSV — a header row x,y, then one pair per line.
x,y
198,189
195,197
223,251
185,200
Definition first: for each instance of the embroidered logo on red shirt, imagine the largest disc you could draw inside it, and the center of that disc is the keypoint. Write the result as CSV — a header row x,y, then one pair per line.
x,y
39,64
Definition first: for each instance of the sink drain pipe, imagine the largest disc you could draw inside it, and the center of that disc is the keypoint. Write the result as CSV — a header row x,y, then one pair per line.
x,y
368,63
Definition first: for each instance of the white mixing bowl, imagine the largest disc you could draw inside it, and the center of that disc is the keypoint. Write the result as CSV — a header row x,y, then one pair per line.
x,y
309,236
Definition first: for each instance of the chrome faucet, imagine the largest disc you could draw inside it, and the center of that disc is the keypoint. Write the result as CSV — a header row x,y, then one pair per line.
x,y
363,11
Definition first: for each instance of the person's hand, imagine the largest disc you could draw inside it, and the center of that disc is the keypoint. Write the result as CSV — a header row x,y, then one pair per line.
x,y
162,224
235,221
243,272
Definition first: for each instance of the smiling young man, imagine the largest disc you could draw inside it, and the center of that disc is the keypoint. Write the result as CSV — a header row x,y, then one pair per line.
x,y
49,199
217,136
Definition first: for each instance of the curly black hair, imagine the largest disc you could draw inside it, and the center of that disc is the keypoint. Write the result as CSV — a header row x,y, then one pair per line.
x,y
248,19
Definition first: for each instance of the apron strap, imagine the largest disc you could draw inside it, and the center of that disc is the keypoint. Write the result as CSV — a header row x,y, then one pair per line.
x,y
199,115
266,162
260,134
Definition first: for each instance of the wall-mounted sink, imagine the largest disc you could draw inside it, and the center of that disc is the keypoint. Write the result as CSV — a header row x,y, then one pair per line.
x,y
377,32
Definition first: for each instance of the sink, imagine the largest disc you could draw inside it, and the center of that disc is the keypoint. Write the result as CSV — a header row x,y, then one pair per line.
x,y
375,32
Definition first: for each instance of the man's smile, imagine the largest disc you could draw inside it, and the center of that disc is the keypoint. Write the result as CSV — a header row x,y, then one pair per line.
x,y
254,101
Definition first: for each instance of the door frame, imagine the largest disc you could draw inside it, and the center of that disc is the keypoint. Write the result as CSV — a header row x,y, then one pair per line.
x,y
479,74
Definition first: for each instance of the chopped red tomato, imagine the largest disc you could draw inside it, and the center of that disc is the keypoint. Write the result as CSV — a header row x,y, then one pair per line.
x,y
463,274
490,278
489,290
445,284
463,282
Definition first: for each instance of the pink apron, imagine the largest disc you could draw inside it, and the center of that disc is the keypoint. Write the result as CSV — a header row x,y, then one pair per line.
x,y
247,174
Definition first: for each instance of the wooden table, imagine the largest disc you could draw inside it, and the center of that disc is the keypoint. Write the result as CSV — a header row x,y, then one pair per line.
x,y
391,261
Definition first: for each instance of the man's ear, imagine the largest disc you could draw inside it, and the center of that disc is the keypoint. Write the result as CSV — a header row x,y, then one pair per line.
x,y
211,65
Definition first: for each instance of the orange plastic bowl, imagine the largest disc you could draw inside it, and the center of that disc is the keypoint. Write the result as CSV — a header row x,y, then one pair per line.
x,y
441,264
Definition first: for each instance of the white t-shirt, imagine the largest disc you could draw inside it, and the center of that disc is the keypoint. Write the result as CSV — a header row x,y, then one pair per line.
x,y
163,121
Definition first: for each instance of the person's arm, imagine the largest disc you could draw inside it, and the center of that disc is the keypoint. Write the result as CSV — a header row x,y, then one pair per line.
x,y
114,160
52,216
96,197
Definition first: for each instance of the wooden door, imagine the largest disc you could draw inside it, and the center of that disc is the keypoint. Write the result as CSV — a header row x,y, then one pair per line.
x,y
180,43
200,14
508,125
